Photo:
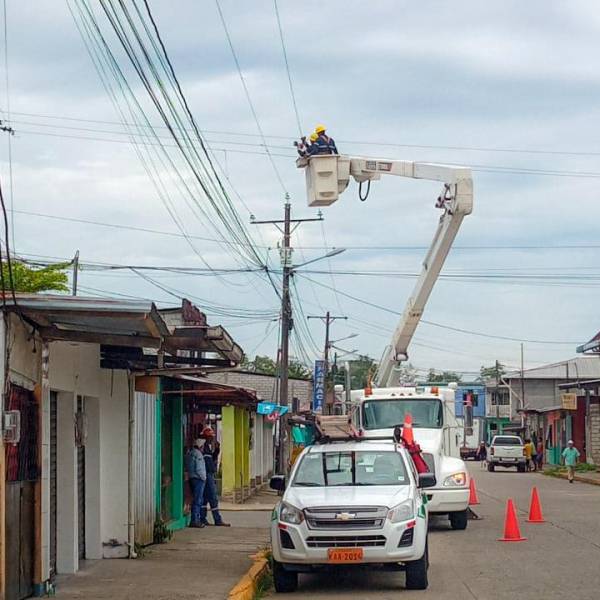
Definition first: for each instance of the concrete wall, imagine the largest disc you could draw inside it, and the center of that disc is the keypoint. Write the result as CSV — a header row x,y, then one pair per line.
x,y
265,385
74,369
594,435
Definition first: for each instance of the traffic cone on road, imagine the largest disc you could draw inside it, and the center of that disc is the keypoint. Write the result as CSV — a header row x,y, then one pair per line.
x,y
473,498
512,533
407,429
535,508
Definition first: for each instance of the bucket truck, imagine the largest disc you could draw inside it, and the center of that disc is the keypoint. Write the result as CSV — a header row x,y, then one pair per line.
x,y
377,409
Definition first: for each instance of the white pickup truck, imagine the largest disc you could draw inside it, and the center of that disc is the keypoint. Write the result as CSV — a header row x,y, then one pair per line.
x,y
351,504
506,451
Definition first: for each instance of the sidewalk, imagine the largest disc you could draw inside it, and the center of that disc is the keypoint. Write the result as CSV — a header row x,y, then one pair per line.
x,y
197,564
592,477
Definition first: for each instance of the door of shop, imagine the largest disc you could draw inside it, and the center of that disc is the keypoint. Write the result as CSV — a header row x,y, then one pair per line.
x,y
21,475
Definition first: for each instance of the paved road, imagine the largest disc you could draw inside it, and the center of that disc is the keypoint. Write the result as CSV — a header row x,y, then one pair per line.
x,y
560,559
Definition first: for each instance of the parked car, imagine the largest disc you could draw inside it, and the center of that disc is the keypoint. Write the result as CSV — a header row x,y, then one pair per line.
x,y
506,451
351,503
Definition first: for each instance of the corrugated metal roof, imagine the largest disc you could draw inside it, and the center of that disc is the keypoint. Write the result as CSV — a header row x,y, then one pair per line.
x,y
581,367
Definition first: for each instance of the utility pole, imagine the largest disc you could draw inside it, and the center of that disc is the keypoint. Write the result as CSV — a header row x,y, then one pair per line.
x,y
75,272
287,322
328,319
522,386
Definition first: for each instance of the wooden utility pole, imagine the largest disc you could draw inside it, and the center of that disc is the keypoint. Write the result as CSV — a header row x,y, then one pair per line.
x,y
287,323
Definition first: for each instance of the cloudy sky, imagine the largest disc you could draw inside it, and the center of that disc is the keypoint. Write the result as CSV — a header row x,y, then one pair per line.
x,y
509,88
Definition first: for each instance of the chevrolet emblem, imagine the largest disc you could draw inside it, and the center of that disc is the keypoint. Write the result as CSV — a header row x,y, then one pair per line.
x,y
344,516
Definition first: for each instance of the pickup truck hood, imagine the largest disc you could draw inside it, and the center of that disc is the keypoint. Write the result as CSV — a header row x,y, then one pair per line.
x,y
347,496
430,440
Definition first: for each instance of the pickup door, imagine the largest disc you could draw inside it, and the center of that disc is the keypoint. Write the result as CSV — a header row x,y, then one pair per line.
x,y
507,448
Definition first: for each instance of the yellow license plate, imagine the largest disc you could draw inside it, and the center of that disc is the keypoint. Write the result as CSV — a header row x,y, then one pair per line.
x,y
345,555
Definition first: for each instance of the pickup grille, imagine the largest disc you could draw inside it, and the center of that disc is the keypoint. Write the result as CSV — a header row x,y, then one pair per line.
x,y
346,518
356,541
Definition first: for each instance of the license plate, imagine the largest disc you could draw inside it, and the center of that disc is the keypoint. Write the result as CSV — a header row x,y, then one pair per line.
x,y
345,555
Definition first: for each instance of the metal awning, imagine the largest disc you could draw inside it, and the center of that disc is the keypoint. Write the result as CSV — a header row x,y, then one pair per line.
x,y
132,335
590,384
207,393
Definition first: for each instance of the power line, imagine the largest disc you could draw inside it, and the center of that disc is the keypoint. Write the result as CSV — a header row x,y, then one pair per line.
x,y
466,331
287,69
248,98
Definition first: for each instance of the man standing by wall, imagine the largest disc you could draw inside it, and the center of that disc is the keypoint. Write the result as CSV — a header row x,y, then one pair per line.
x,y
570,456
211,497
196,469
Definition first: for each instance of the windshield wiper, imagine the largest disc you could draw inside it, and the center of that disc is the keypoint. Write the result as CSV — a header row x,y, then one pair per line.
x,y
307,484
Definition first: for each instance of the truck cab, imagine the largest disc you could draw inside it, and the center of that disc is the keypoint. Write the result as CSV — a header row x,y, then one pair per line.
x,y
377,411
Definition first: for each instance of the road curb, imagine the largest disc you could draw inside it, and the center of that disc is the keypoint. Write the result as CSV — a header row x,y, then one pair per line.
x,y
246,587
577,478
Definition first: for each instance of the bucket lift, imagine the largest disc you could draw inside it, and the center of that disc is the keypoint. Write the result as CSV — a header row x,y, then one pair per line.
x,y
327,176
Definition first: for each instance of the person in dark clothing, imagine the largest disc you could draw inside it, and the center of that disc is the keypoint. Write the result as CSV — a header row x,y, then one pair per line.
x,y
195,465
323,144
481,455
211,458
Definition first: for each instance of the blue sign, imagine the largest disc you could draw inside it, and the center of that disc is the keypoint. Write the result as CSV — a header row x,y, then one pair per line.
x,y
270,409
319,386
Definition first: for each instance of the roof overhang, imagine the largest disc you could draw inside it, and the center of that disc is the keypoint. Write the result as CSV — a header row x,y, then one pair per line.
x,y
207,393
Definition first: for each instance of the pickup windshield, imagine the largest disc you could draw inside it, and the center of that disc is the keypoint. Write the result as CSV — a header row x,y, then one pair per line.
x,y
327,469
507,441
385,414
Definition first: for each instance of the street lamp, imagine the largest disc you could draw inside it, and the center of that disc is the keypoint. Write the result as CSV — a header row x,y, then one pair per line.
x,y
330,254
348,337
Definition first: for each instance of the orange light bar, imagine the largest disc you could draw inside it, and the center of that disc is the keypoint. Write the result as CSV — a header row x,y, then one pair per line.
x,y
435,390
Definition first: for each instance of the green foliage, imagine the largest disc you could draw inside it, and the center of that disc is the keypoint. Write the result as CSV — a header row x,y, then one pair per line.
x,y
267,366
162,533
33,280
443,376
360,372
557,471
495,372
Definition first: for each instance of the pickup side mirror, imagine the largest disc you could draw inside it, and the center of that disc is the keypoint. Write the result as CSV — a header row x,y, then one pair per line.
x,y
427,480
277,483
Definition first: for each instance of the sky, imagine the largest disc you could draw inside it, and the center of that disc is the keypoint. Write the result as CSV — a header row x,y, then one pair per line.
x,y
508,88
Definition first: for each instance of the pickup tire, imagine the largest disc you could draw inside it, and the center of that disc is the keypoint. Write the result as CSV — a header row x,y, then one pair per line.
x,y
416,571
284,581
459,520
521,468
491,467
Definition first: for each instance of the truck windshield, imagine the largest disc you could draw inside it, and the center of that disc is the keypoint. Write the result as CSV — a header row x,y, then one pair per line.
x,y
327,469
384,414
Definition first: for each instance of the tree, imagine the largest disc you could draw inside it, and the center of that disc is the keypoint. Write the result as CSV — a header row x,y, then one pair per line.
x,y
32,280
495,372
361,371
298,370
443,376
267,366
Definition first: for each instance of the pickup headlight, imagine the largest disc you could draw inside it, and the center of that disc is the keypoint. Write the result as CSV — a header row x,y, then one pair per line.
x,y
402,512
290,514
456,480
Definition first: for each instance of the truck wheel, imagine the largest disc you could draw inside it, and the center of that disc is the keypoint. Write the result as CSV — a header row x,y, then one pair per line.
x,y
521,468
491,467
458,520
416,572
284,581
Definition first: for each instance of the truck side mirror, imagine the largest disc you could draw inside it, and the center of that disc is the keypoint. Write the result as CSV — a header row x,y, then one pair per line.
x,y
277,483
427,480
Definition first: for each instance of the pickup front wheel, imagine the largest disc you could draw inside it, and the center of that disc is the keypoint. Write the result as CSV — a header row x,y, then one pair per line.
x,y
284,581
416,572
491,467
458,520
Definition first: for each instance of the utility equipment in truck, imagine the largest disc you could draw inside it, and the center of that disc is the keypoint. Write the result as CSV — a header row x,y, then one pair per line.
x,y
384,406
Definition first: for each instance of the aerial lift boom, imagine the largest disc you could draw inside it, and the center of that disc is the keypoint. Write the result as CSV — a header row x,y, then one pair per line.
x,y
327,176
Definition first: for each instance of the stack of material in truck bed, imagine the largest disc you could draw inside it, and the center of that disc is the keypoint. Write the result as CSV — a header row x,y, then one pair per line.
x,y
335,427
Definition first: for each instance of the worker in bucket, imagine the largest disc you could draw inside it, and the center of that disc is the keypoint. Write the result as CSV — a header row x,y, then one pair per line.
x,y
324,144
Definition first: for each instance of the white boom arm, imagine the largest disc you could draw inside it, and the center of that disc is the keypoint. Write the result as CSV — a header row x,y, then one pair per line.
x,y
327,176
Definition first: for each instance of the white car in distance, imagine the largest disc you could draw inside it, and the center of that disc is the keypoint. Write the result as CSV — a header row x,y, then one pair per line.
x,y
351,504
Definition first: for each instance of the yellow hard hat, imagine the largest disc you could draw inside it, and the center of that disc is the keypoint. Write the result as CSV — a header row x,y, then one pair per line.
x,y
319,128
314,137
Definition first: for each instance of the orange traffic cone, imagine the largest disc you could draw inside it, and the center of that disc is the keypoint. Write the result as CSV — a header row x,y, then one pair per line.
x,y
407,429
535,508
512,533
473,498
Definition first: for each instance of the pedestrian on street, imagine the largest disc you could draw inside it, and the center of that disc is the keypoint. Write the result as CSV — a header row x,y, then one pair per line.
x,y
196,469
481,455
211,497
539,455
570,456
529,452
